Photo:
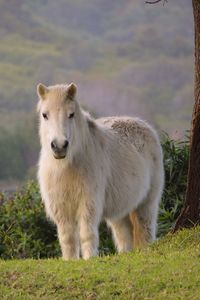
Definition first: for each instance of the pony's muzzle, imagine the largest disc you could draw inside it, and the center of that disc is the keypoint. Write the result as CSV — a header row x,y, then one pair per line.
x,y
59,150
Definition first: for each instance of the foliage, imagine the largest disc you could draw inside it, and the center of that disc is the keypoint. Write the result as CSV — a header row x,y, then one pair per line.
x,y
25,231
168,269
176,158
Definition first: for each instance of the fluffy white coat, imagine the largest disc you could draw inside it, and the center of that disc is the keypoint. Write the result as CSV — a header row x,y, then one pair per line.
x,y
113,170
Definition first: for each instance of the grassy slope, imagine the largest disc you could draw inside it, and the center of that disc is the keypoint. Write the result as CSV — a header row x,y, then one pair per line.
x,y
169,269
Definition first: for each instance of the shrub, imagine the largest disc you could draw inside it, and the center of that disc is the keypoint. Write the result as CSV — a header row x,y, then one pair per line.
x,y
24,228
176,157
26,232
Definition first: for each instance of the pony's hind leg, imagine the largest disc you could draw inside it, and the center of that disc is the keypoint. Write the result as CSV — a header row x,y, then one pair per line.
x,y
144,219
122,231
139,234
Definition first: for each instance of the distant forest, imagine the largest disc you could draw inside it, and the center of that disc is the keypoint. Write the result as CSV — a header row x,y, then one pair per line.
x,y
125,56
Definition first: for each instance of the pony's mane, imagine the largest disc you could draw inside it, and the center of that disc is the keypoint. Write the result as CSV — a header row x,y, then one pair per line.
x,y
89,119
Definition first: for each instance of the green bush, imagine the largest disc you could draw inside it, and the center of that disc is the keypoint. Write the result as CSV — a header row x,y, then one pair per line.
x,y
24,228
26,232
176,157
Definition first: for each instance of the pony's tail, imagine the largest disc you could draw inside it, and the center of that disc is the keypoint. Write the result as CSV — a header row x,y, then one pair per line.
x,y
139,234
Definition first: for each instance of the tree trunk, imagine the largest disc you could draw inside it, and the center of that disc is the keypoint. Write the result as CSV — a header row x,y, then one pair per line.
x,y
190,214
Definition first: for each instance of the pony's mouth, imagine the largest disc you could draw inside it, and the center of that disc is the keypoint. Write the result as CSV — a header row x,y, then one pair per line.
x,y
59,155
56,156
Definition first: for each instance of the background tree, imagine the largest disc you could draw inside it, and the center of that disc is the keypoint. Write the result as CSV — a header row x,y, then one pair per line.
x,y
190,214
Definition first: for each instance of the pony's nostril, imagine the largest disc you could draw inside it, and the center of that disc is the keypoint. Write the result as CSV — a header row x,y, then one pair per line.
x,y
65,144
53,145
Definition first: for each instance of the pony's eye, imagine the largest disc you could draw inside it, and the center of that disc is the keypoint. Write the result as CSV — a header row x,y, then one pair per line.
x,y
45,116
71,115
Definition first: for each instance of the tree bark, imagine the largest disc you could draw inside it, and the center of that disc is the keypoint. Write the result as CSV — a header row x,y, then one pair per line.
x,y
190,214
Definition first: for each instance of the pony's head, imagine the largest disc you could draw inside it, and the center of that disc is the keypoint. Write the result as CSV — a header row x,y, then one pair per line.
x,y
59,112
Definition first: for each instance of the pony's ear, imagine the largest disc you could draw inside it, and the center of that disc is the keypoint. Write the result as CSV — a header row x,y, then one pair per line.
x,y
42,90
71,90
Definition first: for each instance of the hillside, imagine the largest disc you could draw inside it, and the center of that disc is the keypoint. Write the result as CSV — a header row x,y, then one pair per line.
x,y
168,269
131,59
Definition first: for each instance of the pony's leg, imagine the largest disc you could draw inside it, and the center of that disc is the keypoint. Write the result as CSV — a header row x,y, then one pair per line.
x,y
144,218
122,231
89,237
68,238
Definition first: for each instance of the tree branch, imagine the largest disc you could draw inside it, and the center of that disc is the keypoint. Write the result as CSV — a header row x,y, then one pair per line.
x,y
156,1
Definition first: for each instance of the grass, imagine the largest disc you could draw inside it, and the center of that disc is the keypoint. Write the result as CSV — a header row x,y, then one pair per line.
x,y
168,269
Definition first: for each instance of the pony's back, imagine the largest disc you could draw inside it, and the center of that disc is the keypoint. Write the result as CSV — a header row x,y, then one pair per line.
x,y
146,142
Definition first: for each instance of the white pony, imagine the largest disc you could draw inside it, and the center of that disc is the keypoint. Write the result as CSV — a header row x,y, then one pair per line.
x,y
89,170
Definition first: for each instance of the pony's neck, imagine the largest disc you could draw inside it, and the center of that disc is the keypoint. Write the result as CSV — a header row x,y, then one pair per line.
x,y
86,126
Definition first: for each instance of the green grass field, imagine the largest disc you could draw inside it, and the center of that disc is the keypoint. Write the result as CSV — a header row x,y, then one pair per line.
x,y
168,269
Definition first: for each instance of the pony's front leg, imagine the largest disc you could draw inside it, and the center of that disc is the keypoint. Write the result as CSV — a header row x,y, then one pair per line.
x,y
68,238
89,237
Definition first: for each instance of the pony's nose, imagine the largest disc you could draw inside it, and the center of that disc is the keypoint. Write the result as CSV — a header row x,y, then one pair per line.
x,y
58,148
